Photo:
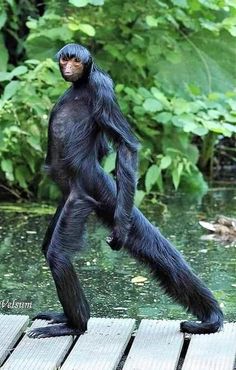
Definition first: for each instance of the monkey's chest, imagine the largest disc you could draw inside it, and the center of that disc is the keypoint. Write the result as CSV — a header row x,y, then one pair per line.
x,y
60,126
68,119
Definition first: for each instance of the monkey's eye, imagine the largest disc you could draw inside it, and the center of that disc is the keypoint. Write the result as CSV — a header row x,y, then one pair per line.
x,y
77,60
64,59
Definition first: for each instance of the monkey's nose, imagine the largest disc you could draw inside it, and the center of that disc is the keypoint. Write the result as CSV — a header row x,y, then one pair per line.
x,y
68,70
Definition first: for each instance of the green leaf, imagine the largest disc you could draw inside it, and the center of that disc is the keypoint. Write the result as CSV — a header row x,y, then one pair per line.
x,y
178,122
5,76
3,18
119,88
160,182
189,126
211,26
201,64
32,61
230,127
9,176
175,178
144,92
41,47
21,173
88,29
165,162
151,177
152,105
180,168
140,111
3,54
6,165
160,96
34,141
181,106
180,3
10,89
200,131
59,33
96,2
176,174
31,163
79,3
151,21
232,31
19,71
139,195
163,117
73,26
32,24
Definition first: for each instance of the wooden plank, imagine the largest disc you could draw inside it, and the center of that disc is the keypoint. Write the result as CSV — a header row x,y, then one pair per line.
x,y
102,347
157,345
212,351
38,354
11,328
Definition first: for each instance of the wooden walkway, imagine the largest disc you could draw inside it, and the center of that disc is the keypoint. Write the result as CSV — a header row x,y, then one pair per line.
x,y
113,344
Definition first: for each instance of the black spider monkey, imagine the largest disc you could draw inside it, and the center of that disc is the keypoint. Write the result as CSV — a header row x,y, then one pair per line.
x,y
81,123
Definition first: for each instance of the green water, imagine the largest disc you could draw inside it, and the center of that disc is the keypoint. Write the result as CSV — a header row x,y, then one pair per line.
x,y
105,274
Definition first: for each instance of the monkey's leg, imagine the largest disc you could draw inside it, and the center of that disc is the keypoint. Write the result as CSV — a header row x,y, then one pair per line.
x,y
67,238
53,317
147,244
51,227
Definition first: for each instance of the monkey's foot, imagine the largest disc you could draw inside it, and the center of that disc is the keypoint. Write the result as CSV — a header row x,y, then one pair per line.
x,y
58,330
53,317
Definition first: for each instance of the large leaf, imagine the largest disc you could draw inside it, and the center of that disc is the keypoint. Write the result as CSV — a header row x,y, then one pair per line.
x,y
3,18
10,89
41,48
3,55
86,28
151,177
152,105
79,3
205,60
96,2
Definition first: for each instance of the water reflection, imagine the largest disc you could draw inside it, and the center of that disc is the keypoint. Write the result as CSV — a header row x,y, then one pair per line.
x,y
105,274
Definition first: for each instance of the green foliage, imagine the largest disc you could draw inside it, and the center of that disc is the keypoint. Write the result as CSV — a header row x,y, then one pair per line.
x,y
24,107
173,63
203,61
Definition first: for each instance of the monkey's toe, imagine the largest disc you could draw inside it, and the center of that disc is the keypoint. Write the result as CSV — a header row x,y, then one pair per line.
x,y
54,331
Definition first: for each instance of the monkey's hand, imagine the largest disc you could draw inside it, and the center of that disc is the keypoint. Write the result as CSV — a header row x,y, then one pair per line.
x,y
115,240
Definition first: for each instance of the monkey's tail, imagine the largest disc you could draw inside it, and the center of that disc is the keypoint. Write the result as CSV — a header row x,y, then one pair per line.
x,y
176,277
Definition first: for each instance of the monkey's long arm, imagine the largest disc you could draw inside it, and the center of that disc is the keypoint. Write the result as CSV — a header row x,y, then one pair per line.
x,y
126,165
113,122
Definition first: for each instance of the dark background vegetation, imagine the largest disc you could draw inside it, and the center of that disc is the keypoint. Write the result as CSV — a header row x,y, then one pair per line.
x,y
173,63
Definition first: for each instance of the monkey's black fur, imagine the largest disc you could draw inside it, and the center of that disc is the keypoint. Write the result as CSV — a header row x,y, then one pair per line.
x,y
81,123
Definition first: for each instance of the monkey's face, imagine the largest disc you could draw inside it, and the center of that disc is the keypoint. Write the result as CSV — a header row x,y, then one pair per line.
x,y
71,68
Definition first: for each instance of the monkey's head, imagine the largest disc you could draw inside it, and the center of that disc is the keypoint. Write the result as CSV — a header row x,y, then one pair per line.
x,y
75,62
